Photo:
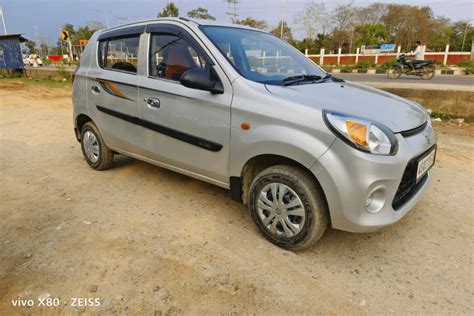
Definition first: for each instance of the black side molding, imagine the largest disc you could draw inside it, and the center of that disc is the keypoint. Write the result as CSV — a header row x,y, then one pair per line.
x,y
236,189
187,138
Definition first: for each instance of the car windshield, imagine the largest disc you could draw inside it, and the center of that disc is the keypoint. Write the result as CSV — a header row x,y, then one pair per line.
x,y
261,57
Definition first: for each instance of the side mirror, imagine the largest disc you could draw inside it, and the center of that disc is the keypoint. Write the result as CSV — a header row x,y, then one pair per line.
x,y
199,79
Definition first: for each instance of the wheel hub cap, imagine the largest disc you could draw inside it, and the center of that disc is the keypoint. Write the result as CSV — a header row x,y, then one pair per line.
x,y
91,146
281,210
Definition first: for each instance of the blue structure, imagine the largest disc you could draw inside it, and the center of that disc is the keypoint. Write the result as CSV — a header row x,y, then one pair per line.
x,y
10,51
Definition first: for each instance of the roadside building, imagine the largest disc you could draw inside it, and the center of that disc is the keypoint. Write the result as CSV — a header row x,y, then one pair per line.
x,y
10,51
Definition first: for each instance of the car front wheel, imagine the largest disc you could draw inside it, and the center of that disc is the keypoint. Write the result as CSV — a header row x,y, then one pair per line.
x,y
288,207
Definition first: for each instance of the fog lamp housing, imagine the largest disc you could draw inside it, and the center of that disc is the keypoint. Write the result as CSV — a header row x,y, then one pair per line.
x,y
375,200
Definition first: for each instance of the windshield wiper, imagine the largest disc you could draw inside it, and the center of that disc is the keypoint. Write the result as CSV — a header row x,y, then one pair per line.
x,y
296,79
329,76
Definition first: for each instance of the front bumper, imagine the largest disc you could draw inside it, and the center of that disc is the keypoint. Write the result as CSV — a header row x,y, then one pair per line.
x,y
348,176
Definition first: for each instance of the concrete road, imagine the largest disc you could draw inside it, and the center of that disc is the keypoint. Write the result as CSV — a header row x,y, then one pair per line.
x,y
382,78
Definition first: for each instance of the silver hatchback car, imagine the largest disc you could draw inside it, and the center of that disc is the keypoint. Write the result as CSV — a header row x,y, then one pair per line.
x,y
237,107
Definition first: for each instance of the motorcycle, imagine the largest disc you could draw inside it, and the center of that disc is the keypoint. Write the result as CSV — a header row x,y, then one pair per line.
x,y
425,69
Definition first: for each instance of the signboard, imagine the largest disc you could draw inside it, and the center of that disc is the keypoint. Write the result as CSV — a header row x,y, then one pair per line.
x,y
83,42
65,36
377,49
385,48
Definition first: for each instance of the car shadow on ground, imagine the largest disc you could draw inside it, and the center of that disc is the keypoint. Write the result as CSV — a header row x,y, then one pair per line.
x,y
334,241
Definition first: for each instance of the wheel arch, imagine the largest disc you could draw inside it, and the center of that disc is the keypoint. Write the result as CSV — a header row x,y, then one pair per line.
x,y
80,120
263,161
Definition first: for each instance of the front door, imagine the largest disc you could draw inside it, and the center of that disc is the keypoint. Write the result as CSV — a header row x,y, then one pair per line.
x,y
184,128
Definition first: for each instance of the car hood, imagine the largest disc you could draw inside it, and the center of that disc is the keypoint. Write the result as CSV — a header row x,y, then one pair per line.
x,y
394,112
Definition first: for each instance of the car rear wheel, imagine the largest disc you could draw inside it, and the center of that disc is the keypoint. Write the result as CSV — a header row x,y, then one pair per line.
x,y
94,149
288,207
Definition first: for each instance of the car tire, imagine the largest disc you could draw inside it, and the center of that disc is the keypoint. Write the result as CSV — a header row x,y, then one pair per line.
x,y
297,220
94,149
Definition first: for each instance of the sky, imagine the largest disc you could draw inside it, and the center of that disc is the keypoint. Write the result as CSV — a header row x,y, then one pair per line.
x,y
42,19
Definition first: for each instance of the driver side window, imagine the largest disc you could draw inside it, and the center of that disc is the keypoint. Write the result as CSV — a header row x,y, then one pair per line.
x,y
171,55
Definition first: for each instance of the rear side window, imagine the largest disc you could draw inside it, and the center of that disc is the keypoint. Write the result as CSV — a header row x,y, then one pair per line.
x,y
119,54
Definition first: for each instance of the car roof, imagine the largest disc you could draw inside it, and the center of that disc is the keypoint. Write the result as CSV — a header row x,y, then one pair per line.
x,y
183,20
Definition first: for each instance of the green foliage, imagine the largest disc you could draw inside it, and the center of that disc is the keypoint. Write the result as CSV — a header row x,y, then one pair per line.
x,y
466,63
83,32
31,47
389,63
258,24
378,23
346,69
44,82
365,64
458,36
328,67
468,66
200,13
171,10
443,116
370,34
287,33
64,73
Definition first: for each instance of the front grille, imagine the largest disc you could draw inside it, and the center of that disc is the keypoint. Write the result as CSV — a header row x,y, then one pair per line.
x,y
408,186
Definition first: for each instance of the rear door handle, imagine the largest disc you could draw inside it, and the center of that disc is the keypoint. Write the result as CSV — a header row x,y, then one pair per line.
x,y
153,102
95,89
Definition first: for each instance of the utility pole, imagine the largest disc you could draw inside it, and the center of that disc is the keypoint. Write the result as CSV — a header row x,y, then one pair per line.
x,y
282,18
350,46
37,40
107,24
107,19
465,32
230,4
3,20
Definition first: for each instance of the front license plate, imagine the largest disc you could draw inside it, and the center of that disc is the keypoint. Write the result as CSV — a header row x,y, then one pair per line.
x,y
425,164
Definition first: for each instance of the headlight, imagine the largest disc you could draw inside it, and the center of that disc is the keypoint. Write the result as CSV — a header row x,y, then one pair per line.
x,y
362,134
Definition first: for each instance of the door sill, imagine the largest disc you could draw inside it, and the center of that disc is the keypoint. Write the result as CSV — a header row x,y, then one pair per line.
x,y
173,168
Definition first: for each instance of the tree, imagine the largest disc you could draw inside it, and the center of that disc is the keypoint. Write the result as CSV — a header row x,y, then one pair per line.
x,y
31,47
443,34
200,13
287,34
170,10
459,29
407,24
44,49
370,34
313,19
373,14
83,32
258,24
344,21
96,25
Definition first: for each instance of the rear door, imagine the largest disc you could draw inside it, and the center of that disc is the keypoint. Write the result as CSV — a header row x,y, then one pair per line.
x,y
113,87
184,128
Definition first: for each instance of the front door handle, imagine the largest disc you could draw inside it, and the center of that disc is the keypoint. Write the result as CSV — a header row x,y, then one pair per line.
x,y
95,89
153,102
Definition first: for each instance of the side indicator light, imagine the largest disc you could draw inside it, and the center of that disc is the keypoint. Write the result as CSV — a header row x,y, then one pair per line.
x,y
245,126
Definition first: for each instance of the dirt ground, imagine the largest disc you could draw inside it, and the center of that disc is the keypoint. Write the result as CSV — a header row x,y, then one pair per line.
x,y
145,240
